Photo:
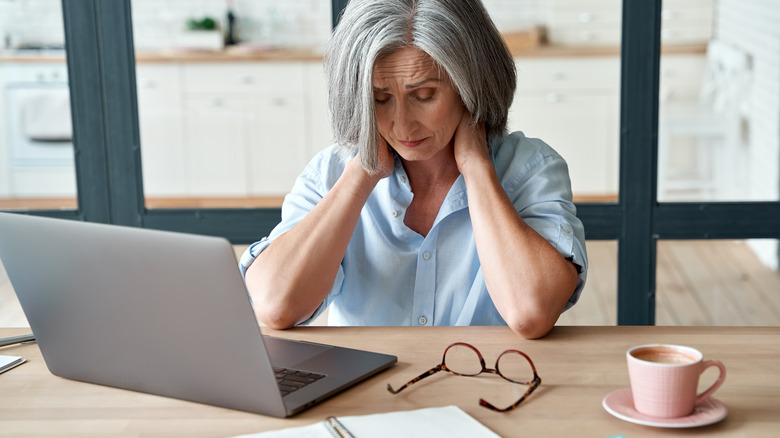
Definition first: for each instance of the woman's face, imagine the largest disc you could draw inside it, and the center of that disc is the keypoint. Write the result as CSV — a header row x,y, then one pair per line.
x,y
417,109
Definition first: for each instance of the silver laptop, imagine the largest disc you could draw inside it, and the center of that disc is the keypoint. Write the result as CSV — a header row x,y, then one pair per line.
x,y
163,313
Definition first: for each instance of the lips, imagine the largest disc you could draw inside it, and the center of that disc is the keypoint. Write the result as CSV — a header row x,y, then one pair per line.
x,y
411,143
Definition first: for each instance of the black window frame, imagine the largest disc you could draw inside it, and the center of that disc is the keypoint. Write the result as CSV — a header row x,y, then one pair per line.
x,y
101,68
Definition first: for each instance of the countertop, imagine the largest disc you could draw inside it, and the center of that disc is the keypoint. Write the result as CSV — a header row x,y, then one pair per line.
x,y
292,55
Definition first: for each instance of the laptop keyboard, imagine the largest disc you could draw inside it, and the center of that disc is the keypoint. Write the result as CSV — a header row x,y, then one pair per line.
x,y
290,380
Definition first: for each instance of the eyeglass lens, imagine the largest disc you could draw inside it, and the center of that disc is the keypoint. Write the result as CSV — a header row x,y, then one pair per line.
x,y
464,360
515,367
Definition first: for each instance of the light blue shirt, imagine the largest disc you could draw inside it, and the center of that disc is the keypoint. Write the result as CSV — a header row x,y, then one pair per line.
x,y
391,275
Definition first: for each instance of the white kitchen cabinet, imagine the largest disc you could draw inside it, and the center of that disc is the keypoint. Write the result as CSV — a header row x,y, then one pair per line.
x,y
573,105
686,21
30,165
320,134
588,23
43,182
160,119
597,23
276,150
215,148
245,127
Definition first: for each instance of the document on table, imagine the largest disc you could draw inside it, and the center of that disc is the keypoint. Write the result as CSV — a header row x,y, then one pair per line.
x,y
449,421
8,362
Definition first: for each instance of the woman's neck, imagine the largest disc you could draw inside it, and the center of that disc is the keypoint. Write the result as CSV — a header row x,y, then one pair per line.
x,y
430,181
441,169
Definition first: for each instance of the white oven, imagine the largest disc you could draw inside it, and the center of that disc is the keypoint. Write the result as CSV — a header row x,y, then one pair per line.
x,y
38,134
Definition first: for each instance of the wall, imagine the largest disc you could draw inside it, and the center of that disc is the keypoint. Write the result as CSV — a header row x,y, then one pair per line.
x,y
296,23
36,22
299,23
752,26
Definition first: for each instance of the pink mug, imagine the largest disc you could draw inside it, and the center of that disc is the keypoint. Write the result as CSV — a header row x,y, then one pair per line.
x,y
664,379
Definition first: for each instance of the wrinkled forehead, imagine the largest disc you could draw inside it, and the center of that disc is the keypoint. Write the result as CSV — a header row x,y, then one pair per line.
x,y
408,65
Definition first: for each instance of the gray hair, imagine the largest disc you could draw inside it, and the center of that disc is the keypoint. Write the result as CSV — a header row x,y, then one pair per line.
x,y
458,35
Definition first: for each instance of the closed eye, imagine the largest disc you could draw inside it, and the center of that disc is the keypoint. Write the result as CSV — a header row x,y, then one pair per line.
x,y
425,94
381,98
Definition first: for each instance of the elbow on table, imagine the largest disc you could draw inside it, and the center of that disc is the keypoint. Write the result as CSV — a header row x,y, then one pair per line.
x,y
270,308
274,318
531,325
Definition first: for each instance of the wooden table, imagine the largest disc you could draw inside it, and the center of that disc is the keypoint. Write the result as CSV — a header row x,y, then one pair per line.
x,y
578,367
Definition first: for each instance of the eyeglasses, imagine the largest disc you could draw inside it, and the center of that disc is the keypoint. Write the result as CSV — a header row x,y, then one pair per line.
x,y
463,359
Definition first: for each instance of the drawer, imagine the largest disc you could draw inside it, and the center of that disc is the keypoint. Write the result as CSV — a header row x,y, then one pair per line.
x,y
582,15
568,73
685,35
243,77
604,36
700,15
160,82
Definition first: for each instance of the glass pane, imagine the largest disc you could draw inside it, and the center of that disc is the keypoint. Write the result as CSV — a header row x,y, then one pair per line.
x,y
719,102
36,150
234,124
232,102
568,90
598,302
721,282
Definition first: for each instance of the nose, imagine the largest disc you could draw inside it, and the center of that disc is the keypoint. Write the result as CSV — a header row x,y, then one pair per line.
x,y
404,122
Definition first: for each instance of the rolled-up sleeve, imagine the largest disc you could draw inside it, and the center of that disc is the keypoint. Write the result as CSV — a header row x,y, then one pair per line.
x,y
537,181
317,178
306,193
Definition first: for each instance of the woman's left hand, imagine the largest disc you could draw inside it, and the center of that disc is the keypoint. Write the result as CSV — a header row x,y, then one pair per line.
x,y
469,143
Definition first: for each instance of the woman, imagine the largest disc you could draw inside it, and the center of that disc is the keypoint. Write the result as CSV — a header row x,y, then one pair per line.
x,y
425,212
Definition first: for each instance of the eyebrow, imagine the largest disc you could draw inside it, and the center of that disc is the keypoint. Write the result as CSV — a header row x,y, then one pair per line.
x,y
411,86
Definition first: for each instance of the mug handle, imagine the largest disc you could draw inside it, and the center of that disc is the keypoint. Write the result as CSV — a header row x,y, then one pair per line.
x,y
707,393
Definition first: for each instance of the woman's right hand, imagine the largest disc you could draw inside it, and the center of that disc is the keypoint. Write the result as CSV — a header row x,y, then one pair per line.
x,y
386,159
292,277
386,162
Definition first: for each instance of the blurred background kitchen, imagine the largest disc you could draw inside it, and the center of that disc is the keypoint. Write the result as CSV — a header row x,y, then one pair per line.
x,y
232,105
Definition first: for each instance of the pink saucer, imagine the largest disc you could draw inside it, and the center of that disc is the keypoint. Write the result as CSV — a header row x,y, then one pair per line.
x,y
620,403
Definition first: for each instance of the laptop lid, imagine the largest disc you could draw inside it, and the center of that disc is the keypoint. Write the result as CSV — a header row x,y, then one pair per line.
x,y
159,312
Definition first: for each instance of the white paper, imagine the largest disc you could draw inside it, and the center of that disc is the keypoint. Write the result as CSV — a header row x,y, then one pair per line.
x,y
8,362
449,421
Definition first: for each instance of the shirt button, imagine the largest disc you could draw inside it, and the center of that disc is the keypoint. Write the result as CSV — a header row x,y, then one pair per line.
x,y
423,320
395,213
426,255
566,229
403,179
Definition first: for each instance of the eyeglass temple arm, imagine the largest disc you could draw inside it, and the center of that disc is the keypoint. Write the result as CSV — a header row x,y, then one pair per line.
x,y
431,371
535,384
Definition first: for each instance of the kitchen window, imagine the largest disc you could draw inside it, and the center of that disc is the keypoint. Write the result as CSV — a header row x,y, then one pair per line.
x,y
103,80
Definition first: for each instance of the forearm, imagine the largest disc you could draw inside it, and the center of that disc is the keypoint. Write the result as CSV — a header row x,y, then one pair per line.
x,y
527,278
291,277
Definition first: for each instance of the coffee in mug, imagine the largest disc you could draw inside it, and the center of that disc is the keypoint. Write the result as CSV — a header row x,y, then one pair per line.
x,y
663,354
664,379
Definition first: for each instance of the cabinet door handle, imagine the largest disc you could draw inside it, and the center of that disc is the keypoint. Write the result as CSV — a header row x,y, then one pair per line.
x,y
586,35
554,98
586,17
